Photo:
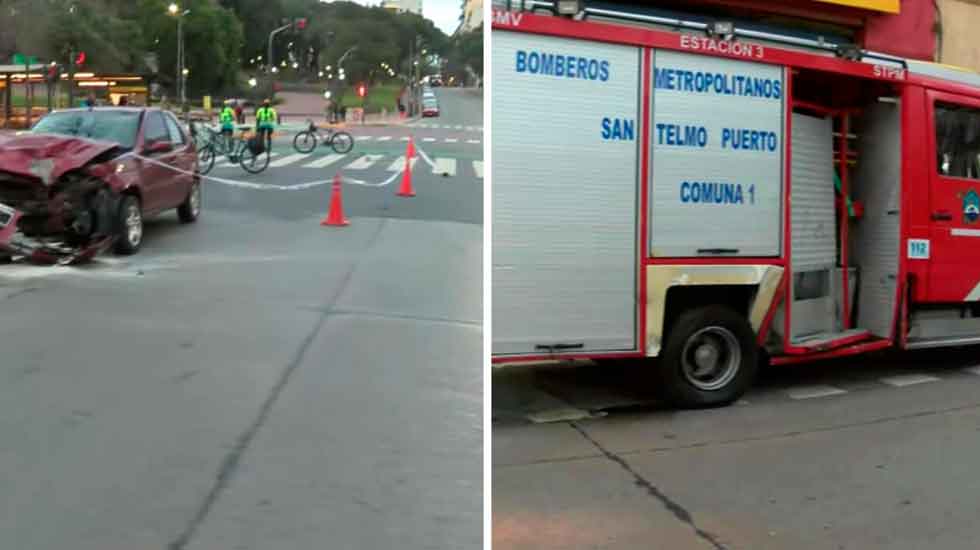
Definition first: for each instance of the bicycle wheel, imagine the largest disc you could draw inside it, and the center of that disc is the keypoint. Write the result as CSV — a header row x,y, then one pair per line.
x,y
205,159
252,163
304,142
342,142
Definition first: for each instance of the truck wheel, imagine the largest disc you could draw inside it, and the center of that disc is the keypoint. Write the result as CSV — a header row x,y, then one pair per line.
x,y
709,359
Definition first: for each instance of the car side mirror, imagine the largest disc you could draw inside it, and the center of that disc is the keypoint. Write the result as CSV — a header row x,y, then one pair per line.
x,y
158,147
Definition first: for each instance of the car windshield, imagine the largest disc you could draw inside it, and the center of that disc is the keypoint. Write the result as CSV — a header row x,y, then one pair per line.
x,y
428,103
117,126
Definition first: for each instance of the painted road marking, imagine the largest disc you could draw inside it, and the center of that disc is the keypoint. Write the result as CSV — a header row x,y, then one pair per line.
x,y
400,164
404,138
384,138
326,160
459,127
478,168
903,380
811,392
364,162
228,163
287,160
363,138
445,166
451,140
973,370
473,141
428,139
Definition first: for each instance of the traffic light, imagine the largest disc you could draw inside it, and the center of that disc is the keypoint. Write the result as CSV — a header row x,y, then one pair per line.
x,y
361,91
299,24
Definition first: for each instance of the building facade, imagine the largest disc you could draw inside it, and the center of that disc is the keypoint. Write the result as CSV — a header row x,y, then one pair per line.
x,y
472,16
403,6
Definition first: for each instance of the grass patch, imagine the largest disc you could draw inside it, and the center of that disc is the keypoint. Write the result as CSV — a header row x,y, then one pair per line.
x,y
383,96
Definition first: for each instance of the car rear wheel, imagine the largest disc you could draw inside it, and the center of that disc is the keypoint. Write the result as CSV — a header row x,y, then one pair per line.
x,y
129,222
190,209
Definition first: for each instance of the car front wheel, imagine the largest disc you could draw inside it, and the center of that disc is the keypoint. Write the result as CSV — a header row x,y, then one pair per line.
x,y
190,209
130,226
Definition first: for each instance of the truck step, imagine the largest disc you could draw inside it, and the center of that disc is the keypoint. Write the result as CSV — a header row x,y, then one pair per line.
x,y
828,340
942,342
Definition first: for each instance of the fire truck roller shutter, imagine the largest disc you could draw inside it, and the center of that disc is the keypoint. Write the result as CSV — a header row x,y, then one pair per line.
x,y
717,157
566,185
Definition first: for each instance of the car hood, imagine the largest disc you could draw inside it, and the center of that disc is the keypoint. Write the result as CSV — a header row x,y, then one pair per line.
x,y
46,156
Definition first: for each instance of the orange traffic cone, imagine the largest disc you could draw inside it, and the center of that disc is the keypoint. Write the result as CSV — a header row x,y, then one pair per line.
x,y
336,214
410,149
406,189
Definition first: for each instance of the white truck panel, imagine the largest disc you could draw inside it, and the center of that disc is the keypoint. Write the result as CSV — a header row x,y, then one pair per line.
x,y
717,157
565,187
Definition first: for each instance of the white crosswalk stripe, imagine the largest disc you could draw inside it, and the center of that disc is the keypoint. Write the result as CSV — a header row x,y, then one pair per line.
x,y
478,168
324,161
227,163
444,166
364,162
400,164
404,138
428,139
363,138
474,141
384,138
287,160
451,140
459,127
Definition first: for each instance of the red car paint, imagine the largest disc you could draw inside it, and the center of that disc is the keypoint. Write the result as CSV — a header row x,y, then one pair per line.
x,y
32,164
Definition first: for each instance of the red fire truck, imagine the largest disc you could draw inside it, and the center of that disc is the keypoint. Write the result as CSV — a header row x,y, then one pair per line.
x,y
716,197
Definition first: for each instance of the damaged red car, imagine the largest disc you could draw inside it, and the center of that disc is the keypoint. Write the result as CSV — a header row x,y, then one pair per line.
x,y
83,180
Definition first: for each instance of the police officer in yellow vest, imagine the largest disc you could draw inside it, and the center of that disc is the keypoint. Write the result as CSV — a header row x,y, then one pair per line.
x,y
265,121
227,119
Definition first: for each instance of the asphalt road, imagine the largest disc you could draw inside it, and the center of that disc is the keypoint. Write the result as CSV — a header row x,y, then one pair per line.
x,y
447,173
870,453
255,380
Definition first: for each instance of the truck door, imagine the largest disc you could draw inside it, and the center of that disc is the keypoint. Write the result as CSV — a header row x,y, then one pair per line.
x,y
566,128
954,199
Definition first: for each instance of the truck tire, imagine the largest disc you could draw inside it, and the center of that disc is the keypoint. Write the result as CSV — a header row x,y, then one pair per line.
x,y
710,358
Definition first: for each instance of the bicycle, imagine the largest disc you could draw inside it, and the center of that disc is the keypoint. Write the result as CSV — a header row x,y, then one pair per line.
x,y
307,140
248,151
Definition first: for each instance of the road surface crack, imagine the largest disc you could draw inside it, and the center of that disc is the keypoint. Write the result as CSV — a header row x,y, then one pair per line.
x,y
232,460
671,505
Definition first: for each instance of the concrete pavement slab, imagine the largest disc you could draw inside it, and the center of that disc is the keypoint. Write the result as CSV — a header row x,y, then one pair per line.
x,y
115,419
581,505
376,443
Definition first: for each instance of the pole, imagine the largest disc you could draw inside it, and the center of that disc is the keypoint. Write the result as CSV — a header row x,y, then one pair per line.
x,y
177,76
30,91
180,61
71,78
272,35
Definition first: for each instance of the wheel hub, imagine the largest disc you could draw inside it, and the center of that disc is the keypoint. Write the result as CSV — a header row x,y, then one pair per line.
x,y
711,358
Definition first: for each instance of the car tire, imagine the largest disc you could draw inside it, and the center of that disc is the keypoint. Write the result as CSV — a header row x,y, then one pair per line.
x,y
190,209
709,359
129,226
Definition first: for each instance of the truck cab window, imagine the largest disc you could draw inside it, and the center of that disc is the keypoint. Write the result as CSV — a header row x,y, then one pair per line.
x,y
958,141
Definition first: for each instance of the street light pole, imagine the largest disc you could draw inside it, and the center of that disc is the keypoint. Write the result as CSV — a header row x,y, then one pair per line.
x,y
272,35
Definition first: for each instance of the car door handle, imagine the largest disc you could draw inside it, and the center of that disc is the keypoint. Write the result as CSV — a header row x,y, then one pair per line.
x,y
942,216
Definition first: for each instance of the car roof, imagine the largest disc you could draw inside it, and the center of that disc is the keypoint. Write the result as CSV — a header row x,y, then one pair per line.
x,y
135,109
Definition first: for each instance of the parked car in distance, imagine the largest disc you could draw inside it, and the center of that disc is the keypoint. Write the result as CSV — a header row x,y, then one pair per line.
x,y
84,179
430,108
